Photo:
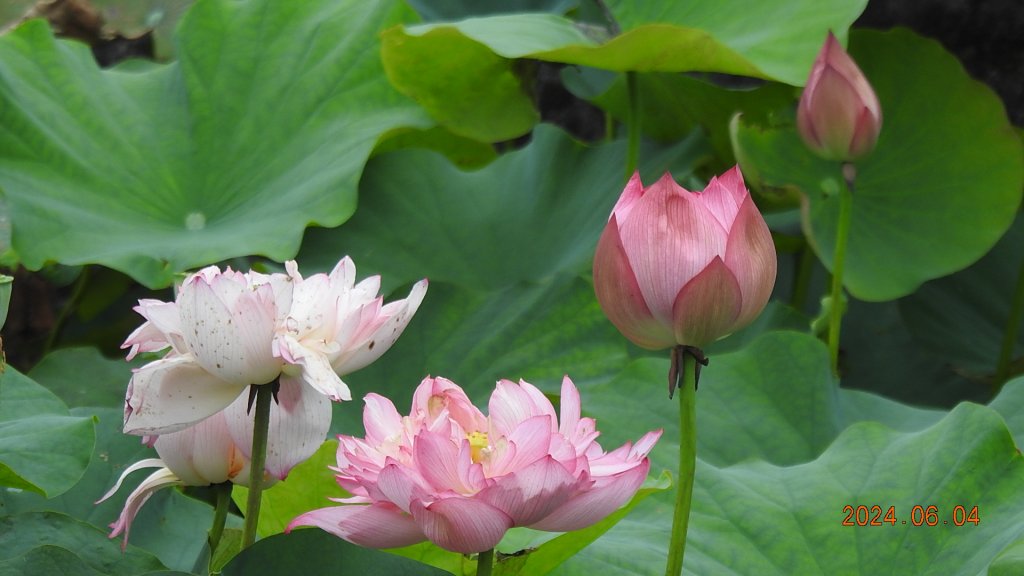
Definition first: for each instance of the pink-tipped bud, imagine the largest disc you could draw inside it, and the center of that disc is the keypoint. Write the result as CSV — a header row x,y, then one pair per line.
x,y
679,267
839,116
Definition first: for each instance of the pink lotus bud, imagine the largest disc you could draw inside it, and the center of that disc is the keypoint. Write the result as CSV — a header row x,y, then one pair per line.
x,y
839,116
448,474
679,267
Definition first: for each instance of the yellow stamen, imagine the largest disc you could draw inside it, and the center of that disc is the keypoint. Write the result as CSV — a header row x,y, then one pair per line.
x,y
477,445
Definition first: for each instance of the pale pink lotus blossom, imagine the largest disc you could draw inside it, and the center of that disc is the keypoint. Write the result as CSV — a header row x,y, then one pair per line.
x,y
839,116
448,474
218,449
675,267
228,330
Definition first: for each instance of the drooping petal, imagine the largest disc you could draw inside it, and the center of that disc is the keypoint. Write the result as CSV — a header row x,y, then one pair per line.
x,y
201,454
380,525
157,480
531,493
141,464
173,393
592,505
619,294
750,256
707,307
463,525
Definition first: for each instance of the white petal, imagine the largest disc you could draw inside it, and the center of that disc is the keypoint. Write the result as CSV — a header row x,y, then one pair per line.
x,y
172,394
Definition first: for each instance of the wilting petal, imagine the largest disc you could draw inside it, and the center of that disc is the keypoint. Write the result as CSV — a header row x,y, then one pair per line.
x,y
380,525
171,394
157,480
461,525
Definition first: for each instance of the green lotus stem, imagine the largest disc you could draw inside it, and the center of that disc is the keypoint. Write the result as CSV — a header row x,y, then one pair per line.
x,y
220,514
842,234
802,277
1012,328
264,396
485,562
687,461
65,311
633,125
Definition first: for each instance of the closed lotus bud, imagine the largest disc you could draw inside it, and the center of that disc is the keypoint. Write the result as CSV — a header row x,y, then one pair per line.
x,y
839,116
675,267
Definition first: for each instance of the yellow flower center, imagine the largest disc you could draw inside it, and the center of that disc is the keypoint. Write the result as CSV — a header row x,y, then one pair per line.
x,y
477,445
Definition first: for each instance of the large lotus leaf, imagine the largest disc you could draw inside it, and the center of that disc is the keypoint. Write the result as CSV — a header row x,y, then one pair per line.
x,y
260,129
30,537
82,376
474,88
313,551
964,317
531,214
42,447
940,189
171,525
878,353
434,10
759,517
1010,403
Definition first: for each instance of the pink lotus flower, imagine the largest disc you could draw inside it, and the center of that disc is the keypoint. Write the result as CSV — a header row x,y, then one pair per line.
x,y
228,330
675,267
448,474
218,449
839,116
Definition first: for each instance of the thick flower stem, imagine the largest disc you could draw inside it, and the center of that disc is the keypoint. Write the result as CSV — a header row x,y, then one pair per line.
x,y
485,562
687,460
264,397
633,125
1012,328
842,233
220,514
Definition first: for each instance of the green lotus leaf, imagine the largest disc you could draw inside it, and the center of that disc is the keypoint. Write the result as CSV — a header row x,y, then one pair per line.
x,y
475,89
233,150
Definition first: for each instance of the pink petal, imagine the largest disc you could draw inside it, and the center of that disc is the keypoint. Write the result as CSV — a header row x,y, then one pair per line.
x,y
617,291
381,420
569,408
385,336
750,255
669,239
723,195
531,493
172,394
380,525
707,307
633,191
531,441
511,404
463,525
441,462
202,454
593,505
397,486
